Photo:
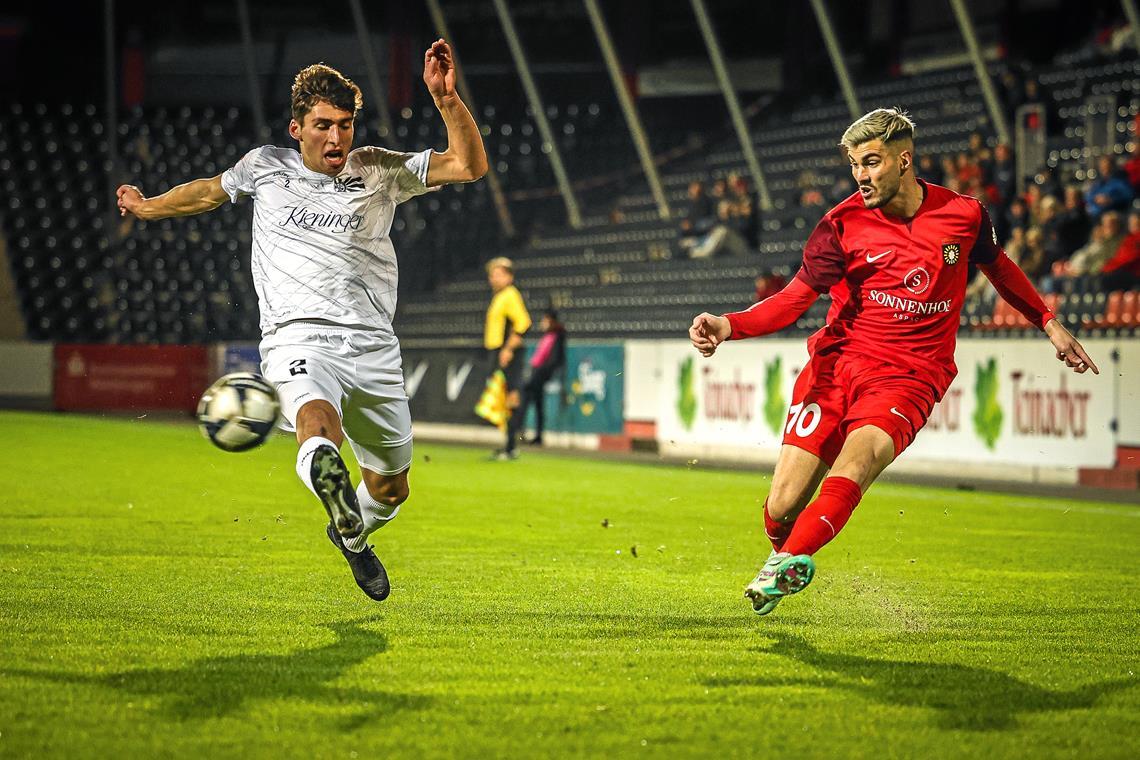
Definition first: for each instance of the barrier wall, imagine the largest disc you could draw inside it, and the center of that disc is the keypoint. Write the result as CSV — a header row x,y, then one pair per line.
x,y
1013,410
25,374
135,378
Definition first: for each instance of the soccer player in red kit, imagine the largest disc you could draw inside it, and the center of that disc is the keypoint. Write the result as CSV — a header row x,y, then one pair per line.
x,y
894,257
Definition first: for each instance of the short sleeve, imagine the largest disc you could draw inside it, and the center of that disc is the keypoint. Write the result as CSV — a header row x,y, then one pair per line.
x,y
517,313
986,248
402,175
825,263
241,178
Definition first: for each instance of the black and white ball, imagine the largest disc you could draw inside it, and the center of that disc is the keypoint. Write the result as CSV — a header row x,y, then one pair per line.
x,y
239,411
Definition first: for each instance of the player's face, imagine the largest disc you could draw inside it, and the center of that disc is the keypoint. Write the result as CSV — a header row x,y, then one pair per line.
x,y
877,171
325,135
499,278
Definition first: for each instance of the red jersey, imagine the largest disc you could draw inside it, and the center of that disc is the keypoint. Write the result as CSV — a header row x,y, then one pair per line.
x,y
897,286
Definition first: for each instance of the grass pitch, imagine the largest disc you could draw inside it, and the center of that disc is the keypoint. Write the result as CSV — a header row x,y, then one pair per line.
x,y
159,597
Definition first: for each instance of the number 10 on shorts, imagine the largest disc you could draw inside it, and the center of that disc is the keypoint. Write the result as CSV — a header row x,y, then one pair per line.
x,y
803,419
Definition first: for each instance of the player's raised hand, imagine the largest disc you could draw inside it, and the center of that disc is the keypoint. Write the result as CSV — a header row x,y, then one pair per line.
x,y
1069,349
439,70
708,331
129,198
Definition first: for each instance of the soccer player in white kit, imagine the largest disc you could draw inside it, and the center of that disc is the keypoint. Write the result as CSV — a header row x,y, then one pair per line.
x,y
325,273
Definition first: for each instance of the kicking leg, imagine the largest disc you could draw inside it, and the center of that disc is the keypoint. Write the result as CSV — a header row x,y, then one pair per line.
x,y
320,467
798,473
865,454
380,497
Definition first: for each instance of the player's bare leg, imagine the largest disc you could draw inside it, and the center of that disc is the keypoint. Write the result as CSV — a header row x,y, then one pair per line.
x,y
797,475
380,497
320,467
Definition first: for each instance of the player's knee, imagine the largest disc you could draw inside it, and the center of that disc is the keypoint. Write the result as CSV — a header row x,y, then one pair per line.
x,y
390,493
784,503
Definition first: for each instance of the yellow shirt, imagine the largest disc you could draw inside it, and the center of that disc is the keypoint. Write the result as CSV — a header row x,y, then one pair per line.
x,y
506,306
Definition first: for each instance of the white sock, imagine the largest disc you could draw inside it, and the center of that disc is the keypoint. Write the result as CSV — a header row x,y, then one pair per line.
x,y
375,514
305,459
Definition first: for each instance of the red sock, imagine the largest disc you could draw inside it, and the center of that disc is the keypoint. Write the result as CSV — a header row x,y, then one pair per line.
x,y
776,531
824,517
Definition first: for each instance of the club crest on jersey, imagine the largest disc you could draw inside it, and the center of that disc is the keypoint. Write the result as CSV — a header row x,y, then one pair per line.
x,y
951,252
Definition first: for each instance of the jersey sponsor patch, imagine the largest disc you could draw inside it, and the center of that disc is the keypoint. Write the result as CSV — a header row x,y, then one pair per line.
x,y
951,252
917,280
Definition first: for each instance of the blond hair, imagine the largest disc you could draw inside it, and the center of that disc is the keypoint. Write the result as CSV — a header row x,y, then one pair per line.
x,y
501,262
886,124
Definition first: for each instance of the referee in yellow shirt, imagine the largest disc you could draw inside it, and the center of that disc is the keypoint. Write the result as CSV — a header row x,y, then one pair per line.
x,y
507,322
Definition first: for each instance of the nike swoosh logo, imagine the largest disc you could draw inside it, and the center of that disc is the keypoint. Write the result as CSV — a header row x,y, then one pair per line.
x,y
900,414
881,255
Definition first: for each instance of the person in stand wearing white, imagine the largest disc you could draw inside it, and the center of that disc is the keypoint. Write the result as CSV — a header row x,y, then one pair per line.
x,y
325,273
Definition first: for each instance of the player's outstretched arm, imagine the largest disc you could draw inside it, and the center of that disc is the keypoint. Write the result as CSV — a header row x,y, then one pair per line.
x,y
184,200
768,316
1016,289
465,159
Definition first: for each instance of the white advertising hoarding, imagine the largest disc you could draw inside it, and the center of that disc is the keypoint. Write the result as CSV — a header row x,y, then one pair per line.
x,y
1012,403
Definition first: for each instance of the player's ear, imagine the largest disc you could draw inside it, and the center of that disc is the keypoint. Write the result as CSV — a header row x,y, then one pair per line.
x,y
295,130
905,160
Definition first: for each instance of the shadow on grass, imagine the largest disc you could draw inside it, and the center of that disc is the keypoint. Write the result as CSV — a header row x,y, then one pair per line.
x,y
963,697
215,687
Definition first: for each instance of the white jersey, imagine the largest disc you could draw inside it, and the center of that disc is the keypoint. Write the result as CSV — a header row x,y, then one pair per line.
x,y
321,245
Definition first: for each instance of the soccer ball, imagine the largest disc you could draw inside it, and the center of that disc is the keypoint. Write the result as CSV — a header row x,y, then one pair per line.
x,y
238,411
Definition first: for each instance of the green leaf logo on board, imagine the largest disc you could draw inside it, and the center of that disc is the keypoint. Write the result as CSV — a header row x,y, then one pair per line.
x,y
775,407
687,401
988,415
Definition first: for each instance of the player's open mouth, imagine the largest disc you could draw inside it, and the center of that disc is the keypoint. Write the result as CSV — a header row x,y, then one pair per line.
x,y
334,156
866,191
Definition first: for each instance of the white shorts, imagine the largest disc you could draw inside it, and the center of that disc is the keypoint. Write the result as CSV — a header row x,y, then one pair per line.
x,y
359,372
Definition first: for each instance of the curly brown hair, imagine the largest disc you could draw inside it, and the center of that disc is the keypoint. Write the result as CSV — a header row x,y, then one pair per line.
x,y
319,82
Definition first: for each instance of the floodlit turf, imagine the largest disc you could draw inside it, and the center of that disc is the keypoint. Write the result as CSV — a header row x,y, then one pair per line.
x,y
162,598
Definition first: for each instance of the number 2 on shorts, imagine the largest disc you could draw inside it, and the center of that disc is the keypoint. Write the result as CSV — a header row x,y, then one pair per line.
x,y
803,419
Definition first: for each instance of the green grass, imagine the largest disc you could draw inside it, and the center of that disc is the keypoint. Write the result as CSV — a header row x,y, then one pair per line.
x,y
159,597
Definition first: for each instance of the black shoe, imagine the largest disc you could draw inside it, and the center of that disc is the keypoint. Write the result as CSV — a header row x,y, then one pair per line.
x,y
334,487
504,455
366,568
534,442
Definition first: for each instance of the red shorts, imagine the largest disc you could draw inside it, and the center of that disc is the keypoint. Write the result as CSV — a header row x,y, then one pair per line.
x,y
836,394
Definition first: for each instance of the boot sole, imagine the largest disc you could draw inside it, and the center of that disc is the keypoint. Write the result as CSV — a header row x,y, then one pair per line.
x,y
330,478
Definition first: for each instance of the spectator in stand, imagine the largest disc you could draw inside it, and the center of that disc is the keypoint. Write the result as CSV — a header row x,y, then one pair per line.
x,y
1106,239
949,174
1033,197
1004,174
1049,219
1132,167
1110,191
966,170
1072,228
1013,246
1032,256
981,156
767,284
1122,271
1016,216
735,216
700,217
743,214
928,168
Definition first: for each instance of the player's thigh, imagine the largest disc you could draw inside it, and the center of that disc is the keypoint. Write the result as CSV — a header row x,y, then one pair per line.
x,y
377,419
866,452
798,473
303,372
815,416
895,402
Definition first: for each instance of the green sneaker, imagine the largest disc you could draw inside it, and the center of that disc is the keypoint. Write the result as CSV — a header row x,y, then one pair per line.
x,y
794,574
781,575
762,591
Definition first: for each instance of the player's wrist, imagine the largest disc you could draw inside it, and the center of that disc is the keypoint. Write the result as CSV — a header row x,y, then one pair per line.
x,y
447,101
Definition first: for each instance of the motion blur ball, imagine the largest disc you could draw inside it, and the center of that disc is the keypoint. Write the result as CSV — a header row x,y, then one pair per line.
x,y
238,411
